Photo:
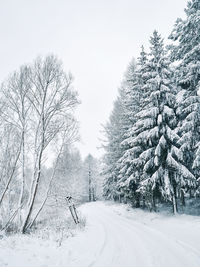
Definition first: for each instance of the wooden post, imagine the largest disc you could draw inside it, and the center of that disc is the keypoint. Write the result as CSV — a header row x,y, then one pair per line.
x,y
72,209
76,216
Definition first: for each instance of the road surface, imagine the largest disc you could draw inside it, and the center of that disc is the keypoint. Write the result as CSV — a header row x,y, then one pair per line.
x,y
113,237
112,240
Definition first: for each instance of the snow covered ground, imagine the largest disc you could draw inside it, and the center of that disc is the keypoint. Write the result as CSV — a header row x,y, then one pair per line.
x,y
115,236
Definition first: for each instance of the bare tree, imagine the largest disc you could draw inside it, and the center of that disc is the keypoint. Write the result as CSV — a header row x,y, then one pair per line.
x,y
15,91
36,106
9,157
67,136
53,100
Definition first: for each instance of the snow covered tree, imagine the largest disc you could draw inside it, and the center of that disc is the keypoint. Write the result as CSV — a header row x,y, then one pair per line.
x,y
156,140
52,99
114,134
16,113
185,51
120,121
10,140
135,81
36,107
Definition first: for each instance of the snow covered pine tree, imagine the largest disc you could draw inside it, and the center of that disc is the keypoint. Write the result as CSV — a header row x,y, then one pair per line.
x,y
163,171
185,51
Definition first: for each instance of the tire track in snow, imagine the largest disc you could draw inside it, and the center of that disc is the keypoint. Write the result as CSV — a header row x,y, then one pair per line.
x,y
106,246
102,247
169,243
118,251
129,243
170,240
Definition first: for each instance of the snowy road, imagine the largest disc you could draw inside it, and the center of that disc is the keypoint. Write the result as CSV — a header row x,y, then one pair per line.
x,y
114,237
116,241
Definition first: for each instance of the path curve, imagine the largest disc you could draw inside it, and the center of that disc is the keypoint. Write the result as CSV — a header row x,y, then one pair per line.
x,y
116,241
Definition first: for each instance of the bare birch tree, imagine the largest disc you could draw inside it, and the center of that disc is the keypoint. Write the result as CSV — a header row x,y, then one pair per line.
x,y
53,99
36,106
67,136
15,91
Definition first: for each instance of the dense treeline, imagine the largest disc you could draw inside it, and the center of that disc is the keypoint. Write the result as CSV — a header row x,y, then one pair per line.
x,y
153,134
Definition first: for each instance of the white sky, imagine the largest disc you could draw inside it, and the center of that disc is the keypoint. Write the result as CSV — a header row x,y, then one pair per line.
x,y
95,39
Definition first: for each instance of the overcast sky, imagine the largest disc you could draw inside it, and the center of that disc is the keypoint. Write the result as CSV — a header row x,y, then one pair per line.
x,y
96,39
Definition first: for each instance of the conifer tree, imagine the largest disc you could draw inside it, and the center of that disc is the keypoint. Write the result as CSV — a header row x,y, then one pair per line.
x,y
155,133
114,134
186,35
120,121
129,174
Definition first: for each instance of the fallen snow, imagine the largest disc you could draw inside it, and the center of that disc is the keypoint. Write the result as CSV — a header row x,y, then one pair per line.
x,y
115,236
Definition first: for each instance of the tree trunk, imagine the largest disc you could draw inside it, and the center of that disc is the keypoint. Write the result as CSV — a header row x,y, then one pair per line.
x,y
125,199
174,205
37,178
153,203
182,197
47,192
22,181
174,200
143,203
137,196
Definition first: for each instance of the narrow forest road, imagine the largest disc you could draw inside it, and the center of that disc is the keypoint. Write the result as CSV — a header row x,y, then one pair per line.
x,y
113,240
115,236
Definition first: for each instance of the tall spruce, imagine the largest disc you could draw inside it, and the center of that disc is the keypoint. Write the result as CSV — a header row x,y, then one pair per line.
x,y
129,173
114,134
116,130
155,131
186,36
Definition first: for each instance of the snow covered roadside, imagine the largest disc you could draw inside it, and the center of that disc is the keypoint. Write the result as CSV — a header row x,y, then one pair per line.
x,y
45,247
28,251
115,236
183,229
